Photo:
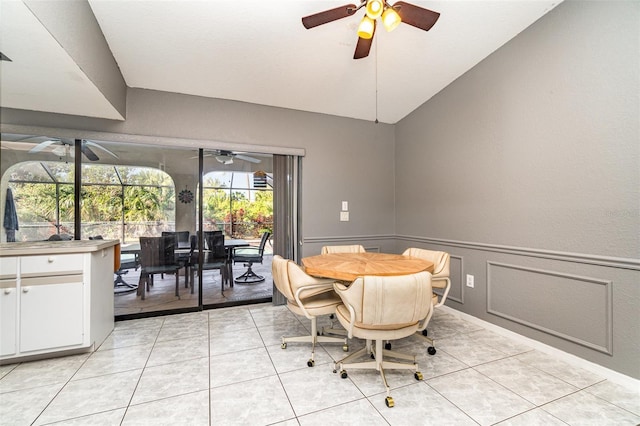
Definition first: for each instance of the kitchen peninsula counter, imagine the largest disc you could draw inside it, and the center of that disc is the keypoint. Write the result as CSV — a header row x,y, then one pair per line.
x,y
54,247
56,297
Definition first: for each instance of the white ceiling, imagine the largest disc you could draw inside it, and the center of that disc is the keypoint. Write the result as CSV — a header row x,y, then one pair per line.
x,y
257,51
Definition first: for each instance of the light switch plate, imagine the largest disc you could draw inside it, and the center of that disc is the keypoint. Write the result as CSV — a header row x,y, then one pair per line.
x,y
344,216
345,206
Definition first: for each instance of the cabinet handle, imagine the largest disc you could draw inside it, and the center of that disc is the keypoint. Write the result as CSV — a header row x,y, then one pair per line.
x,y
25,289
8,290
51,259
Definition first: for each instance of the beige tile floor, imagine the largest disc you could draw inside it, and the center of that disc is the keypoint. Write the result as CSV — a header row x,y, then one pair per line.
x,y
226,367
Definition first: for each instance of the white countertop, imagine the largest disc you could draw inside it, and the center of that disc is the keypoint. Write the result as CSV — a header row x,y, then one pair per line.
x,y
52,247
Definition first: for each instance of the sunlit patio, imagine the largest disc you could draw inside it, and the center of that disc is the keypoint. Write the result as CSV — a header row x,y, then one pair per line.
x,y
161,297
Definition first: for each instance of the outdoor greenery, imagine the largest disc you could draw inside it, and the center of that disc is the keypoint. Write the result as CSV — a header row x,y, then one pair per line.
x,y
126,202
236,213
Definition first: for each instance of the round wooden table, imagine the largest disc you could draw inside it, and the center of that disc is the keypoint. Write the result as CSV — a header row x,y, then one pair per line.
x,y
349,266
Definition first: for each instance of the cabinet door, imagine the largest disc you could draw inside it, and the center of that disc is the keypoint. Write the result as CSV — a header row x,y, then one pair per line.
x,y
51,312
8,319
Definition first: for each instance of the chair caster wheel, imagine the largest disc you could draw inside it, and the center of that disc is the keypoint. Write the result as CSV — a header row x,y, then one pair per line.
x,y
345,348
431,350
343,374
387,346
389,401
424,332
311,363
418,375
283,346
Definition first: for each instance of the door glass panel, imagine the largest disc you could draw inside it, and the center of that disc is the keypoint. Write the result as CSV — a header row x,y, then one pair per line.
x,y
242,211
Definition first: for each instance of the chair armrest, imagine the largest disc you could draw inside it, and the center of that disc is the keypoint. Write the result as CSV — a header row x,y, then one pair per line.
x,y
443,298
315,289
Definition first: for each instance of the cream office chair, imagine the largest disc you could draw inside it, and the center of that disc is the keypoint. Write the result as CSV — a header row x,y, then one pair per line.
x,y
378,308
440,279
308,296
355,248
343,249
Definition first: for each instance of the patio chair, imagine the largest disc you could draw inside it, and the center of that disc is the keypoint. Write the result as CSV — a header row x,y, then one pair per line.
x,y
157,256
215,257
249,256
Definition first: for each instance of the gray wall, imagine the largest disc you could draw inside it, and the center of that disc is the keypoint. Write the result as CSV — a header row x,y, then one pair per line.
x,y
345,159
527,170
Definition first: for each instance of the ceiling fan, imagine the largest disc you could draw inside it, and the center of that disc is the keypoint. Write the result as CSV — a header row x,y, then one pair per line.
x,y
391,16
226,157
62,148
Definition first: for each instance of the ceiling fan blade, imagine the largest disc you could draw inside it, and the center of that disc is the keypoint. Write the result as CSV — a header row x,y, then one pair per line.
x,y
416,16
42,145
247,158
95,145
88,152
364,45
329,15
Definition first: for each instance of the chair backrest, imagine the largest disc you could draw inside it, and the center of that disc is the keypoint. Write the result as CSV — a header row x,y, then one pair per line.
x,y
215,243
288,277
388,302
60,237
182,237
263,241
440,260
280,273
356,248
193,242
207,234
157,251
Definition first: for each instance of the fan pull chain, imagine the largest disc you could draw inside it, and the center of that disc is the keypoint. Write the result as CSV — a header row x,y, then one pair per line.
x,y
376,76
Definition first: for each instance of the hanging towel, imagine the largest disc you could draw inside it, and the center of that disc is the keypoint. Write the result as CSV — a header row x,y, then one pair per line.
x,y
10,223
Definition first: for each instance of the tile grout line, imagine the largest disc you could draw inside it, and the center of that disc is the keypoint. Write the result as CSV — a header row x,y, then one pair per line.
x,y
155,341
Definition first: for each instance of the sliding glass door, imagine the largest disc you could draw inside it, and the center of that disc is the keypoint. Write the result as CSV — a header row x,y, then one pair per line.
x,y
130,191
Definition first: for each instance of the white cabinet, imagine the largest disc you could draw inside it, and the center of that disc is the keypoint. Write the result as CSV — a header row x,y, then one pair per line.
x,y
55,302
8,305
51,312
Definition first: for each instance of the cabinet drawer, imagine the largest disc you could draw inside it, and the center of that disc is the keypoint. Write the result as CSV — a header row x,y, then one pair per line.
x,y
56,264
8,267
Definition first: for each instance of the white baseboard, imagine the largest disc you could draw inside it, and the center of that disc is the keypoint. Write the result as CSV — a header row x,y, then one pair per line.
x,y
613,376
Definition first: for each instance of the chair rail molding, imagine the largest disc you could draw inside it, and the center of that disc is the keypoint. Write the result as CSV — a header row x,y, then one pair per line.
x,y
610,261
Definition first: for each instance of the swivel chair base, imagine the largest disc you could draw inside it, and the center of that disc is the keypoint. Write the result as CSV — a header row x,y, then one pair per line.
x,y
120,285
249,277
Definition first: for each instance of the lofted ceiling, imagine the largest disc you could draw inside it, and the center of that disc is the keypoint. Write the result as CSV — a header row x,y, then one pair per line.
x,y
257,51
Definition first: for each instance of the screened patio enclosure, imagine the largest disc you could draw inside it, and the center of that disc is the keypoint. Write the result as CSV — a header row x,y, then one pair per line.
x,y
126,202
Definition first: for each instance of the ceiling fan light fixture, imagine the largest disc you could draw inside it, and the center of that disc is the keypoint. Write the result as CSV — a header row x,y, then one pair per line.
x,y
366,28
390,19
224,159
374,8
